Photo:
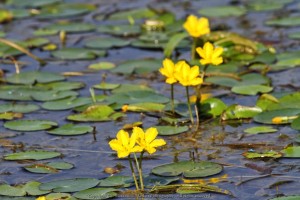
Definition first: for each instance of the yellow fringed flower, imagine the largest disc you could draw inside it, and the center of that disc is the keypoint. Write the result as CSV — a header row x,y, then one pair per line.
x,y
210,55
124,145
188,76
41,198
169,69
196,26
147,140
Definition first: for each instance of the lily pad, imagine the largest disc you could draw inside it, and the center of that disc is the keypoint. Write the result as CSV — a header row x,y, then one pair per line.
x,y
31,3
29,125
223,11
171,130
70,185
240,112
67,103
117,181
189,169
285,21
151,181
137,66
134,13
268,154
32,155
62,86
251,89
212,107
267,116
55,196
77,54
32,188
291,152
70,27
33,77
96,113
96,193
71,129
7,190
48,168
145,107
296,124
18,107
120,30
52,95
260,129
102,66
294,197
106,86
106,43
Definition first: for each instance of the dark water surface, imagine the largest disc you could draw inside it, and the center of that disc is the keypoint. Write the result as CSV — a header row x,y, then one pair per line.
x,y
91,156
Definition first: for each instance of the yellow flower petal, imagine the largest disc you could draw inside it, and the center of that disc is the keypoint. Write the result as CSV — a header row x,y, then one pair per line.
x,y
150,134
158,143
209,55
41,198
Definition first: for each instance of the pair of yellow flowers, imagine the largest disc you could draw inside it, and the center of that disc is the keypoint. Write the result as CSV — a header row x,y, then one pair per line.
x,y
139,141
191,76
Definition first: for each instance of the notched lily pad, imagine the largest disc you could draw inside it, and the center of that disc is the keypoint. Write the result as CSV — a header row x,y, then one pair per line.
x,y
71,129
260,129
189,169
117,181
48,168
106,43
291,152
268,154
77,54
96,193
18,107
223,11
280,116
251,89
29,125
34,77
171,130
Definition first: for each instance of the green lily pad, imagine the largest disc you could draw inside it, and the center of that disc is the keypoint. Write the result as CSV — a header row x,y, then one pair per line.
x,y
77,54
44,32
33,77
106,43
251,89
151,181
63,10
137,66
71,129
32,188
96,193
18,107
29,125
96,113
70,185
223,11
285,21
10,115
296,124
268,154
294,197
295,35
189,169
267,5
171,130
291,152
260,129
120,30
31,3
55,196
5,15
48,168
145,107
32,155
52,95
65,104
7,190
134,13
62,86
240,112
117,181
212,107
266,100
267,116
70,27
102,66
287,101
106,86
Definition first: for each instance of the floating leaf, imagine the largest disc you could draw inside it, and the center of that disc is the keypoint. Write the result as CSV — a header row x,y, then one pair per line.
x,y
29,125
137,66
268,154
48,168
294,197
151,181
287,101
296,124
96,193
251,89
77,54
212,107
18,107
106,43
70,27
171,130
33,77
8,190
117,181
70,185
120,30
56,196
240,112
66,104
144,107
31,3
222,11
52,95
285,21
189,169
260,129
32,188
102,66
265,100
291,152
62,86
134,13
106,86
71,129
96,113
32,155
267,5
267,116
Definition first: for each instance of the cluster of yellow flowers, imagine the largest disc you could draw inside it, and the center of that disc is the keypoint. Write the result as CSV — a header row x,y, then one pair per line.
x,y
139,141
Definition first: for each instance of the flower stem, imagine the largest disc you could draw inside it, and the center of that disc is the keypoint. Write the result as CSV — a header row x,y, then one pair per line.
x,y
193,50
189,104
172,98
133,174
140,172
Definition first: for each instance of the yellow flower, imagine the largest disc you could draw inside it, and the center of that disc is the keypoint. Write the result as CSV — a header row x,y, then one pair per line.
x,y
210,55
188,76
147,140
41,198
168,70
124,145
196,26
